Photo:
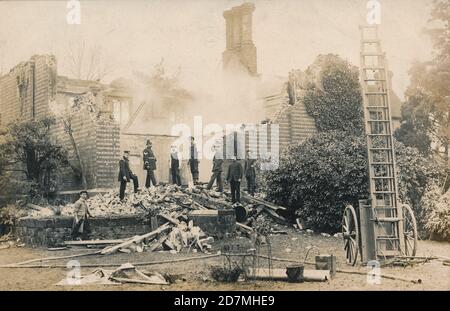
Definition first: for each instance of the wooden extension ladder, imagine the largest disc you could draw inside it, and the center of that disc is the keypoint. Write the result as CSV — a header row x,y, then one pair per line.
x,y
380,216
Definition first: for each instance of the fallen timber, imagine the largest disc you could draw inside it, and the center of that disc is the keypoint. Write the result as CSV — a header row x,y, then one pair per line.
x,y
135,239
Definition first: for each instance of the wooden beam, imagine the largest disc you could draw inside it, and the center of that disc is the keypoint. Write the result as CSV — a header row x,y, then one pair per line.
x,y
93,242
136,239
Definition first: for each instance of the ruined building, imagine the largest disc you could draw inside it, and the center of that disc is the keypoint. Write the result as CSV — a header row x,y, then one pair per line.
x,y
104,119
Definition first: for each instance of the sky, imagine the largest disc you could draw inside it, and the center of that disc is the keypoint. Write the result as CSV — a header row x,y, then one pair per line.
x,y
134,35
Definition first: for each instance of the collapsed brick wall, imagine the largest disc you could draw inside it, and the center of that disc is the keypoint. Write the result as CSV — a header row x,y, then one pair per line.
x,y
26,90
53,231
98,142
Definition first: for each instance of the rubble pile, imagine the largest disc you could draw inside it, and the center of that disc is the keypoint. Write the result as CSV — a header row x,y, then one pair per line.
x,y
151,201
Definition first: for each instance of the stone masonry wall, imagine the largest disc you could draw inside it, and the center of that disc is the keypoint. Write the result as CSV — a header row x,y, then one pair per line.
x,y
53,231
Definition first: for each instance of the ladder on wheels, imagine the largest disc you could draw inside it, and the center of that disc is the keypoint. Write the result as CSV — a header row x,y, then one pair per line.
x,y
381,216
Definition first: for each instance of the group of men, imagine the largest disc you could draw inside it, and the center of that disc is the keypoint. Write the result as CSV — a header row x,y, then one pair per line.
x,y
126,175
234,174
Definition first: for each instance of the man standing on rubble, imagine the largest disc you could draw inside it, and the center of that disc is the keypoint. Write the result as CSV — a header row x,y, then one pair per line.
x,y
81,228
250,173
193,161
149,164
217,170
234,177
175,166
125,174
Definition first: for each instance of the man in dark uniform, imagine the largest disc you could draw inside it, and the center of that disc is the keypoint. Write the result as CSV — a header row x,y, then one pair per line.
x,y
175,166
217,171
234,177
250,173
149,165
193,161
125,174
81,226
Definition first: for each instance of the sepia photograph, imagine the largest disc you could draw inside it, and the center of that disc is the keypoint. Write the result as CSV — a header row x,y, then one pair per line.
x,y
241,147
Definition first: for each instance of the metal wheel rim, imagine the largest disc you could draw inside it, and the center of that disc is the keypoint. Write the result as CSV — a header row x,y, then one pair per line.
x,y
350,234
409,231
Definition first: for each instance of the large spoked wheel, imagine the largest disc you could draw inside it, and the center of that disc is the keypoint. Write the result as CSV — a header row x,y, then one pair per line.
x,y
350,234
409,231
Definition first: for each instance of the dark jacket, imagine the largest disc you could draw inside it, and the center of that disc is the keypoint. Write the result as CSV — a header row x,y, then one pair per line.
x,y
193,155
124,169
149,159
217,165
174,161
250,168
234,171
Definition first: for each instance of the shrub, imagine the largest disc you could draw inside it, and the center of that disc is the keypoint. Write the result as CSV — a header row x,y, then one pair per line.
x,y
317,178
436,209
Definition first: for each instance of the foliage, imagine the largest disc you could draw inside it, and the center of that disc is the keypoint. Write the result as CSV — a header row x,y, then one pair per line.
x,y
9,215
436,212
429,92
416,124
28,149
316,178
226,274
333,94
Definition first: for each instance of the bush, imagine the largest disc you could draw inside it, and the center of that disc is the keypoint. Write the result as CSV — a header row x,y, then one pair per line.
x,y
436,209
317,178
9,215
333,95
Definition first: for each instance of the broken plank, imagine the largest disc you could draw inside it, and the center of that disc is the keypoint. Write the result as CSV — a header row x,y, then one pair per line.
x,y
158,243
93,242
270,205
170,219
274,215
135,239
124,280
34,206
247,228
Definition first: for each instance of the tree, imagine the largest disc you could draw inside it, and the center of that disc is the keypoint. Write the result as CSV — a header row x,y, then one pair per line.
x,y
416,123
429,91
27,149
66,112
333,94
87,64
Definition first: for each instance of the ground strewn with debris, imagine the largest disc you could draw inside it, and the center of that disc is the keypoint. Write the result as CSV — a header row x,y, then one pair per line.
x,y
194,275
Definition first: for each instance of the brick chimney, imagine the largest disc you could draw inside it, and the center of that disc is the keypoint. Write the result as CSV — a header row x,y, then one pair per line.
x,y
240,48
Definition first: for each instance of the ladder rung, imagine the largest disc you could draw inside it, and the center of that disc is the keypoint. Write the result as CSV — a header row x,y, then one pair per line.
x,y
382,149
373,68
392,238
375,93
388,253
381,121
377,107
370,40
369,80
379,134
368,26
384,192
387,219
382,177
372,54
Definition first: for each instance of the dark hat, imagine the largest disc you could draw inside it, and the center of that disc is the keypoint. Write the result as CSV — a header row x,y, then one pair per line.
x,y
149,142
126,151
83,191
